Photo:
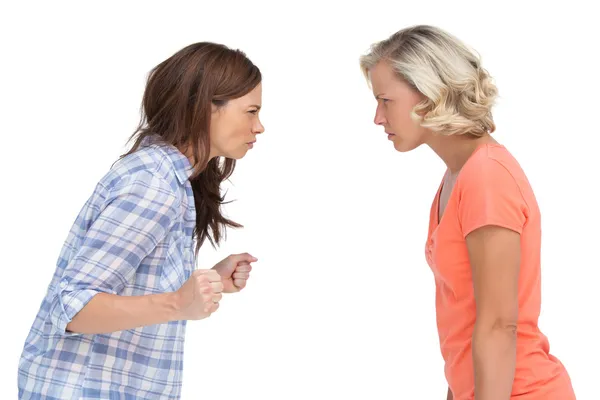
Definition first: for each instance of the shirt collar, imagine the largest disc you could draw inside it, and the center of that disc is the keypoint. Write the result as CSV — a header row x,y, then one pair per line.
x,y
181,164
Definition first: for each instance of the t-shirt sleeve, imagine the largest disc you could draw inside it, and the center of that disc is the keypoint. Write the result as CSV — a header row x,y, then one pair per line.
x,y
490,195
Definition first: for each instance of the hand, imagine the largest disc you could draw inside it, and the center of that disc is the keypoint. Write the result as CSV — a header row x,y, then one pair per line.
x,y
235,271
199,297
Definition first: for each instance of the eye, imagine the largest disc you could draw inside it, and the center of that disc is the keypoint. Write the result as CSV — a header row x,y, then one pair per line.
x,y
253,112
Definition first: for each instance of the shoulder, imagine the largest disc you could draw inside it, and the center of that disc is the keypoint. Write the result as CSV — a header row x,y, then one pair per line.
x,y
146,179
150,165
492,167
492,190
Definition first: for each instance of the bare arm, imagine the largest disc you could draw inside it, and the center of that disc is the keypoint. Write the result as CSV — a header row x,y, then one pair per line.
x,y
106,313
494,254
135,216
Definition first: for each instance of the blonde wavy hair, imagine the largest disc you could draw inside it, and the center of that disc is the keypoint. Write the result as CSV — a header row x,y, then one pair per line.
x,y
459,93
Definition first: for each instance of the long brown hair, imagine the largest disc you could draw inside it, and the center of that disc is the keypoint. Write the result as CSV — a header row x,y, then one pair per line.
x,y
177,106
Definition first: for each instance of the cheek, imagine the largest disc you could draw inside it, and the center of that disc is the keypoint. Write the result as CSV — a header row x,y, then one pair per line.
x,y
229,132
396,117
239,130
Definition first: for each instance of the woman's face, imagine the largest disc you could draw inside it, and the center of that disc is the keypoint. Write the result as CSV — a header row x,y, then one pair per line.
x,y
234,126
395,101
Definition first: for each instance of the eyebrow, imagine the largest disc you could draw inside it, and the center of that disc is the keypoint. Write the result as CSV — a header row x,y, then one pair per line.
x,y
255,105
378,96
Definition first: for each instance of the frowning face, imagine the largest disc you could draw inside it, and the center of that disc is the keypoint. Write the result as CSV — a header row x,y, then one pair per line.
x,y
396,100
235,125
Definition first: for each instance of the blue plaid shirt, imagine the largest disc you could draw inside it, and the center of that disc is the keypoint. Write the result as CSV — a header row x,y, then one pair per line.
x,y
133,237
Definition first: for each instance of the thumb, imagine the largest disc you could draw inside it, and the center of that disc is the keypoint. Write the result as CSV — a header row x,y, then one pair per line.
x,y
243,257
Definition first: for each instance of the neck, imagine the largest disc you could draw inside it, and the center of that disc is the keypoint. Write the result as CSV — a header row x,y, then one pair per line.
x,y
456,150
189,153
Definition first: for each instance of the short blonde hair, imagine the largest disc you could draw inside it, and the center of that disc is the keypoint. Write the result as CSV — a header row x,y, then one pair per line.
x,y
459,93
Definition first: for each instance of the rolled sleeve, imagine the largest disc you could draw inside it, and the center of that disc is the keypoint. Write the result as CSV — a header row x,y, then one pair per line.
x,y
67,304
135,216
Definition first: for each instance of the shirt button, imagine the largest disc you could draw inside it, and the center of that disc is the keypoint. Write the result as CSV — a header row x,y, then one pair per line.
x,y
63,284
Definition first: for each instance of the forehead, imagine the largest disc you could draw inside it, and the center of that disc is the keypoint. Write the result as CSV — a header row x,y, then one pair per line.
x,y
382,76
254,95
386,82
252,98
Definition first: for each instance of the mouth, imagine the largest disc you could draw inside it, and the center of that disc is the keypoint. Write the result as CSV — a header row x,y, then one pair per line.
x,y
251,144
390,135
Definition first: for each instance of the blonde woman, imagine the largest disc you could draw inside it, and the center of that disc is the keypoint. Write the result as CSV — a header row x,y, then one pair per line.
x,y
483,244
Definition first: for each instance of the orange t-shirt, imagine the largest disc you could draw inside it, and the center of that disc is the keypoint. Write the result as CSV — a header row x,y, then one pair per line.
x,y
491,189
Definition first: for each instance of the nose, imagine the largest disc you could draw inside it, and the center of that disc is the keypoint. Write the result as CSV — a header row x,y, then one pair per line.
x,y
379,117
258,127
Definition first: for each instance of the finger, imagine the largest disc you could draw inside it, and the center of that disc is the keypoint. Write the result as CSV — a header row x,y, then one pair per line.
x,y
211,274
241,275
240,283
217,287
201,279
207,298
211,307
206,289
203,284
217,297
238,258
243,268
207,304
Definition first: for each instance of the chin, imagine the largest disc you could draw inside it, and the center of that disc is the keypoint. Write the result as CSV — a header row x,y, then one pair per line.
x,y
236,155
404,147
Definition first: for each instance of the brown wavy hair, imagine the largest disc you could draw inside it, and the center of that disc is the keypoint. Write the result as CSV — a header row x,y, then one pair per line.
x,y
177,106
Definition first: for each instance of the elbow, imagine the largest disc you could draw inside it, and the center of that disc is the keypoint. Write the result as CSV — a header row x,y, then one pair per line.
x,y
66,307
496,327
495,339
509,326
74,326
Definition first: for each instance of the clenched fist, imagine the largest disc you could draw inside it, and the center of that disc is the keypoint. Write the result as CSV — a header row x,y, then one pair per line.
x,y
199,297
235,271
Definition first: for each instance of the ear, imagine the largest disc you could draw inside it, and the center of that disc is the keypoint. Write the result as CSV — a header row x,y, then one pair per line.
x,y
420,110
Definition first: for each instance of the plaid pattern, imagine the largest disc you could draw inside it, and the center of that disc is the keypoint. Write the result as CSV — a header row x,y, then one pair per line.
x,y
132,237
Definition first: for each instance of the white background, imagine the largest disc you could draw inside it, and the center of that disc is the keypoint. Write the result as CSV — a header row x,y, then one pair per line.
x,y
341,302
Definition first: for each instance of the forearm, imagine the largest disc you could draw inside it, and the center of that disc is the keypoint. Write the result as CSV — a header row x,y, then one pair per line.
x,y
106,313
494,359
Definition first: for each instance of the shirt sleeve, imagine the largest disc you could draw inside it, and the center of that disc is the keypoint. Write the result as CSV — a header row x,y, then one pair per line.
x,y
136,216
490,195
